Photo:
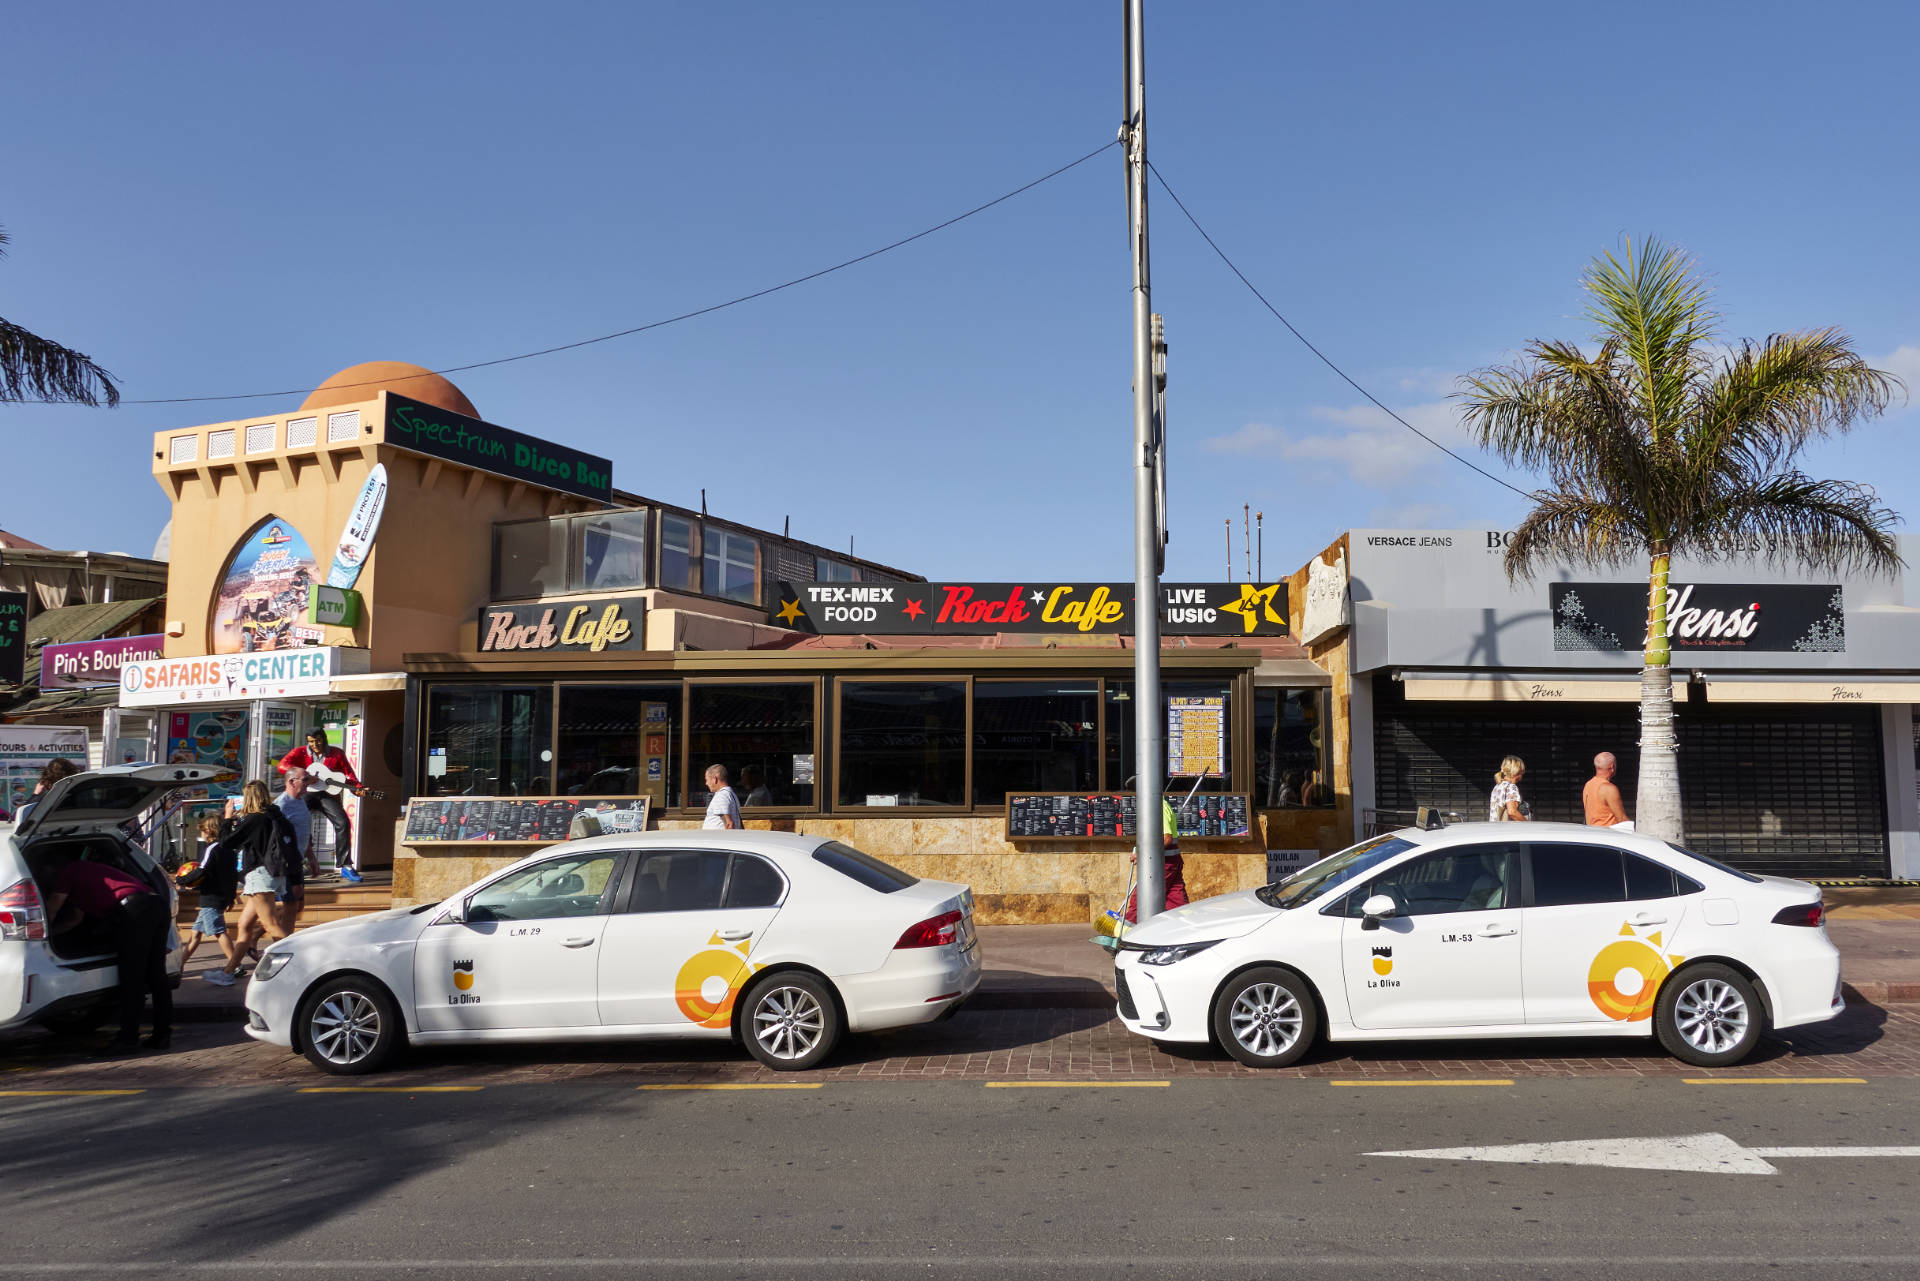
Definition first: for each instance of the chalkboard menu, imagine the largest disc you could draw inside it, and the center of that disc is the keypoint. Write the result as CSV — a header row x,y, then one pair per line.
x,y
520,820
1109,816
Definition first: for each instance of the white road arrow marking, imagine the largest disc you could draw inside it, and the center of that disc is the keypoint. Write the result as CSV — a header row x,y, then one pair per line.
x,y
1690,1153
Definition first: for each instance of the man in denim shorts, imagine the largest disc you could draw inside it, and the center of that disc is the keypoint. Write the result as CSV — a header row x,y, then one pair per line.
x,y
219,878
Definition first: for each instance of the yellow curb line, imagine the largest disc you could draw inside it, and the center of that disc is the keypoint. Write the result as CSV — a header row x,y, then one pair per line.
x,y
389,1089
1397,1084
1774,1080
40,1094
740,1085
1077,1085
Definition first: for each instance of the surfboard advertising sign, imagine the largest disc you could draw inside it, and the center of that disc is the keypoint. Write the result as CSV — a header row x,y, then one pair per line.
x,y
356,540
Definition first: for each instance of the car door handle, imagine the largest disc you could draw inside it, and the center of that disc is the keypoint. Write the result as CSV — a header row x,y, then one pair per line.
x,y
578,943
734,936
1498,931
1648,918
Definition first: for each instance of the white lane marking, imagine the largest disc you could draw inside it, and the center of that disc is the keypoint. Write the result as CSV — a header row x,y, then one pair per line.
x,y
1689,1153
837,1264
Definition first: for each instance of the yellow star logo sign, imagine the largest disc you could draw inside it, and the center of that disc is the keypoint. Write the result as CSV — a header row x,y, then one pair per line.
x,y
1254,603
789,611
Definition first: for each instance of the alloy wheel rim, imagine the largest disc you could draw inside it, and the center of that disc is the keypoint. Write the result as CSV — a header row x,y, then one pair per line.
x,y
788,1022
1712,1016
1266,1019
345,1027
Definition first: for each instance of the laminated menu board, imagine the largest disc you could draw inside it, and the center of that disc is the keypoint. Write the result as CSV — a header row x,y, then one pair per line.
x,y
522,820
1109,816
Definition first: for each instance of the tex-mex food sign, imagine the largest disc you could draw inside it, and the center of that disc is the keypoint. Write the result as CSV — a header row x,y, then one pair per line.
x,y
972,609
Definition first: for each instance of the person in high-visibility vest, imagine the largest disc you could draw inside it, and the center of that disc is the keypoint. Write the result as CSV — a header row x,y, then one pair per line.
x,y
1176,881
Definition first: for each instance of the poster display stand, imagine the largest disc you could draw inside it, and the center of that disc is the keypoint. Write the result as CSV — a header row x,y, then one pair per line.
x,y
1109,816
522,820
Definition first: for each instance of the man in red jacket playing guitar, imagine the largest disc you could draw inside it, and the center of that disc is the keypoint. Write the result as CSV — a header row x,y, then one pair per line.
x,y
328,773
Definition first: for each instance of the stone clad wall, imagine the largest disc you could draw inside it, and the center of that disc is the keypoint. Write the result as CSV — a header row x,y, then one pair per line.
x,y
1033,884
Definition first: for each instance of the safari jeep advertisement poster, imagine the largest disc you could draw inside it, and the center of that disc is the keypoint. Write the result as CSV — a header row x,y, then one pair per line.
x,y
263,598
210,738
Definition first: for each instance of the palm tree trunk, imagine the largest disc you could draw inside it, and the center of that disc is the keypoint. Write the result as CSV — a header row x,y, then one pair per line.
x,y
1658,802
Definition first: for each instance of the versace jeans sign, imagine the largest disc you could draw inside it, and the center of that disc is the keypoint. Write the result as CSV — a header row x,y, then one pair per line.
x,y
577,624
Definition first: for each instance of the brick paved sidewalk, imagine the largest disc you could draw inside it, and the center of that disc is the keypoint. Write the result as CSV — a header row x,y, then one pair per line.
x,y
1041,1044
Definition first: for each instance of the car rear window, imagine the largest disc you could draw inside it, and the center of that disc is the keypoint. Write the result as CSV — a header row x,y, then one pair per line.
x,y
1713,862
864,868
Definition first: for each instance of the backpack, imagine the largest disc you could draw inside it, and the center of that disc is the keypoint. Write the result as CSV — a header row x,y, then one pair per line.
x,y
283,854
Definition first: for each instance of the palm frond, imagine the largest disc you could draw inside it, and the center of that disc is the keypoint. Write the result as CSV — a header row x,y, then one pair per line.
x,y
1770,398
1792,519
1654,301
1573,526
32,367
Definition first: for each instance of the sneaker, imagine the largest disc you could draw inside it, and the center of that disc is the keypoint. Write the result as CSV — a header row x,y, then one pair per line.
x,y
219,978
348,874
158,1041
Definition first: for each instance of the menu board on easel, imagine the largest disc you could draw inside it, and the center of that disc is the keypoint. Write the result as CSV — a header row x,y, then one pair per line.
x,y
1196,736
522,820
1109,816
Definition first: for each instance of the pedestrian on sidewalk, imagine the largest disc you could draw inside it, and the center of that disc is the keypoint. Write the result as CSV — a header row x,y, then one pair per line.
x,y
138,918
50,773
723,811
218,879
1601,796
326,802
292,804
266,844
1175,867
1506,805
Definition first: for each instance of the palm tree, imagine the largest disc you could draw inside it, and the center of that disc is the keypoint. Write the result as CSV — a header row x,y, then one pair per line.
x,y
1657,444
35,368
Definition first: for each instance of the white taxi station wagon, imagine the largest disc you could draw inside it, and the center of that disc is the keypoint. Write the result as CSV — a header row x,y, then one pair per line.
x,y
780,941
1488,930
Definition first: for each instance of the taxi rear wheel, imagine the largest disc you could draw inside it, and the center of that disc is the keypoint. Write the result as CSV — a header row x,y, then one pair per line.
x,y
349,1026
790,1021
1709,1015
1266,1017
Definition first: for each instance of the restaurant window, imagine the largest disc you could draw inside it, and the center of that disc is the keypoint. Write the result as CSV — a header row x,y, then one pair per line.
x,y
903,742
619,740
1198,720
1034,736
679,559
833,571
529,559
612,551
489,740
732,565
1290,749
763,734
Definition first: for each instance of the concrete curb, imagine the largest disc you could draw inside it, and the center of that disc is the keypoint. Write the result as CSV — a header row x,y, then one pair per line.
x,y
1878,993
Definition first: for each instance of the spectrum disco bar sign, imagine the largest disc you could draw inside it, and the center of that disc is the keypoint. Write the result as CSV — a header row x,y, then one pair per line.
x,y
976,609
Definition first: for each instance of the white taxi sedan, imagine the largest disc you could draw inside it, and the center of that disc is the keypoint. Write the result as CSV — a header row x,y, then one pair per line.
x,y
1488,930
777,940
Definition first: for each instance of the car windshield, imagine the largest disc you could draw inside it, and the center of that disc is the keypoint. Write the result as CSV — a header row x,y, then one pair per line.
x,y
1713,863
1329,872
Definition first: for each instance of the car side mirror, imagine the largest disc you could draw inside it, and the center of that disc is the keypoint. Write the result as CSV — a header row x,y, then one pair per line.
x,y
1374,910
455,914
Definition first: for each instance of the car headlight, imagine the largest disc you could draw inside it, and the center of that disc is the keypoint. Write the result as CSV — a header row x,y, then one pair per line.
x,y
1178,952
271,964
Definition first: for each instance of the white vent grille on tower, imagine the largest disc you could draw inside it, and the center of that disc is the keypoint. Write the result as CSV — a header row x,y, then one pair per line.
x,y
301,433
183,449
260,438
220,444
343,426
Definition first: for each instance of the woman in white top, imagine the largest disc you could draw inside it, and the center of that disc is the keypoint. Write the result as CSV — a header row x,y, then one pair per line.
x,y
1505,804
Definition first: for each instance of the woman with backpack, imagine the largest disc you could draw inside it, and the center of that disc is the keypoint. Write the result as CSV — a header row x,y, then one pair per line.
x,y
262,837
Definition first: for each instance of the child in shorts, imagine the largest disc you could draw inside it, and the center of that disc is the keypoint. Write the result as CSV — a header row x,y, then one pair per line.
x,y
216,891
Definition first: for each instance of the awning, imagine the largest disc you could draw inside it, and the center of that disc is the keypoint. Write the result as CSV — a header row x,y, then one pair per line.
x,y
1528,687
1796,688
368,683
1290,673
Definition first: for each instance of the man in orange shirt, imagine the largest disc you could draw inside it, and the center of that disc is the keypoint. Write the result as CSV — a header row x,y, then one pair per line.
x,y
1601,796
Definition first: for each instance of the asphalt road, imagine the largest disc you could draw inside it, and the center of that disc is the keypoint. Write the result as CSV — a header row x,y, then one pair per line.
x,y
1195,1179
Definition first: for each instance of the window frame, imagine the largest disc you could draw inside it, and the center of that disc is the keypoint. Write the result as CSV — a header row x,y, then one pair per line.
x,y
1323,699
576,682
424,728
1530,898
1516,878
696,553
686,738
965,806
728,537
613,892
1099,683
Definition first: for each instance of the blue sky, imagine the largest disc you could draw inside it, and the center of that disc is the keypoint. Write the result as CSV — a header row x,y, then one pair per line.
x,y
239,198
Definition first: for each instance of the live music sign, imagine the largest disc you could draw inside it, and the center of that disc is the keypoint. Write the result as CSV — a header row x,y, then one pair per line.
x,y
975,609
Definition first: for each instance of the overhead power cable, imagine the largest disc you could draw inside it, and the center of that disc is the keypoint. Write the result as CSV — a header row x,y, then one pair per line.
x,y
1305,342
670,320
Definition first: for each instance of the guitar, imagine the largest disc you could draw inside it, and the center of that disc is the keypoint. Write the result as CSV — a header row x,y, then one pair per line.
x,y
332,783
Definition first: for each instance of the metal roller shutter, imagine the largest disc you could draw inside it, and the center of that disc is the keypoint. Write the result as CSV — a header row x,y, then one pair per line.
x,y
1784,789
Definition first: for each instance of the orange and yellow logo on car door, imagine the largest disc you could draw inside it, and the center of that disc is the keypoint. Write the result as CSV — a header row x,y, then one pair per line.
x,y
709,982
1626,974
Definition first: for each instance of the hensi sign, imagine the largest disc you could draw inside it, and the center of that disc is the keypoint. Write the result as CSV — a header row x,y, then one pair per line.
x,y
439,433
1764,617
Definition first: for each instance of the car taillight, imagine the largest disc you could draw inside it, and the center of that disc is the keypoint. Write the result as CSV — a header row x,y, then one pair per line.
x,y
935,931
1798,914
22,914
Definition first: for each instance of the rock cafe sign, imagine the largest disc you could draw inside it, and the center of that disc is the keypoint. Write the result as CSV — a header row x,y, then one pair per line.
x,y
971,609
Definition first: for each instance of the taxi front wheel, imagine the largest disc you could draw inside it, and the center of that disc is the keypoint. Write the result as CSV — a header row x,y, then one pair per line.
x,y
1266,1017
350,1026
1708,1015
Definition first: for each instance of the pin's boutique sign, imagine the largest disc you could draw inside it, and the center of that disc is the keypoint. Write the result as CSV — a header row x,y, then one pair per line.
x,y
1772,617
578,624
973,609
